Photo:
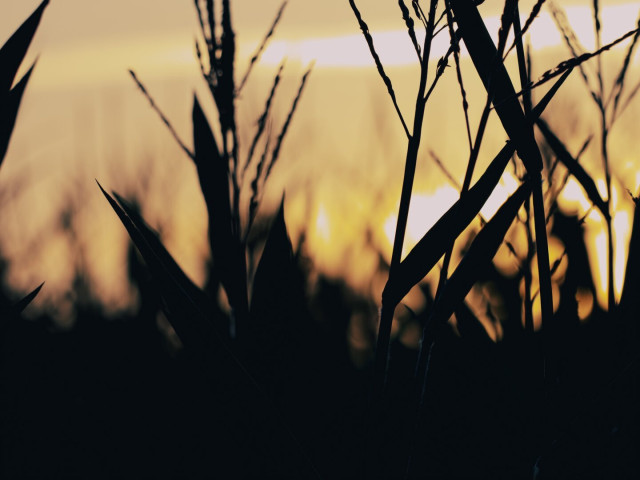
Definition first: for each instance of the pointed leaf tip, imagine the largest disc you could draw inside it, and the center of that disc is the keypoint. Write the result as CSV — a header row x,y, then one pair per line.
x,y
22,304
12,53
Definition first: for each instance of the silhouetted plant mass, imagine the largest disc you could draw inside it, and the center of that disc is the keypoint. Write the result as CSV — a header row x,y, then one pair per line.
x,y
278,372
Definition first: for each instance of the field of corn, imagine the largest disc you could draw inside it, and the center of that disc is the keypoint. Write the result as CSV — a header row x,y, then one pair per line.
x,y
484,348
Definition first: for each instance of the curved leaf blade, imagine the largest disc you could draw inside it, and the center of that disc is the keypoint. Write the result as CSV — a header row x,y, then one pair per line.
x,y
423,257
479,255
13,51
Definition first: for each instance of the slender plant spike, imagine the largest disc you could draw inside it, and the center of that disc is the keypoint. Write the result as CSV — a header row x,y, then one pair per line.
x,y
211,19
261,47
620,80
262,121
406,16
201,23
455,43
566,65
574,46
417,9
162,116
275,154
535,11
387,81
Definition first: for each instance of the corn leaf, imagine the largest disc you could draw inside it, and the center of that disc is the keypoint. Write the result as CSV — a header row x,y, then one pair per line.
x,y
574,167
9,105
213,174
13,51
496,80
422,258
274,266
479,255
171,267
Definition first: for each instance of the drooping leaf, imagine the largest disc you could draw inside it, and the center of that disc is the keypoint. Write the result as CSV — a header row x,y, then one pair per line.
x,y
422,258
574,167
9,105
479,255
23,303
495,78
13,51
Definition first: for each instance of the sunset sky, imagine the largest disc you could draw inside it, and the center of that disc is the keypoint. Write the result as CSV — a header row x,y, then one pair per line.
x,y
343,157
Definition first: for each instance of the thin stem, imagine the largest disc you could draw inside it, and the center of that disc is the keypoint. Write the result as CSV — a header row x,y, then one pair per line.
x,y
386,311
608,220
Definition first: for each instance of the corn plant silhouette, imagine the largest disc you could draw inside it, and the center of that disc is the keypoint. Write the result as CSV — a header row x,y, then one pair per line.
x,y
224,178
465,24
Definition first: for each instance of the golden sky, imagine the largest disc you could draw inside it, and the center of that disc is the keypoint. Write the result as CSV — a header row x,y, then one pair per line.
x,y
345,146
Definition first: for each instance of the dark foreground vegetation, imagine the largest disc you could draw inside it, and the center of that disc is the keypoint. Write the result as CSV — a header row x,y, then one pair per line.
x,y
267,384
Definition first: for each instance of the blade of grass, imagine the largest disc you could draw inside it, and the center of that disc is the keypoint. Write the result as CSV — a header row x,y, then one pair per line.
x,y
226,250
15,48
275,154
275,262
